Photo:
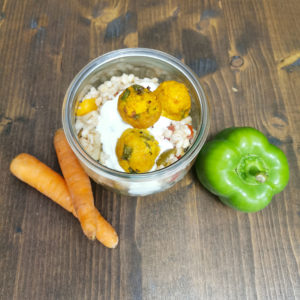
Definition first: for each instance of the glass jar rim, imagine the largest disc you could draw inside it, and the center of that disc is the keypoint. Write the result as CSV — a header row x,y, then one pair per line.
x,y
123,53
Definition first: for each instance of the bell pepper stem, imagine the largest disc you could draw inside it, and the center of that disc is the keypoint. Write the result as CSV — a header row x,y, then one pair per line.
x,y
261,177
252,170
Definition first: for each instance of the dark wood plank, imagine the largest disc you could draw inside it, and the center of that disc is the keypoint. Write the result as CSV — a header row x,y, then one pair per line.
x,y
179,244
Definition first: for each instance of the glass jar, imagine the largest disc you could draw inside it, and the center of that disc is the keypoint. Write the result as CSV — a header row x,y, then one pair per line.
x,y
142,63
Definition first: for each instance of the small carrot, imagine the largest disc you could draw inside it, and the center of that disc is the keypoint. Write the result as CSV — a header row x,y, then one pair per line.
x,y
78,183
35,173
105,232
32,171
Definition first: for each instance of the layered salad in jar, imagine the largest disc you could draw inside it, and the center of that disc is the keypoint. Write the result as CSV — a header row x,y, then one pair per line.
x,y
135,125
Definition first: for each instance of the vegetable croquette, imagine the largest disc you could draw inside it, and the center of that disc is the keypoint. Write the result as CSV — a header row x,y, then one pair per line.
x,y
175,100
137,150
139,107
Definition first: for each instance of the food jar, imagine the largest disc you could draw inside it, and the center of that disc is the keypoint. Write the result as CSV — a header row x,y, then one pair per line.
x,y
142,63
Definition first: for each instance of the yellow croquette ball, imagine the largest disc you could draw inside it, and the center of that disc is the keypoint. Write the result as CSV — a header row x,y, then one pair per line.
x,y
137,150
139,107
175,100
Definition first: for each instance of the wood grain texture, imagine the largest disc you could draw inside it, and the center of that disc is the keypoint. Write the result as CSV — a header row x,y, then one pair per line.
x,y
179,244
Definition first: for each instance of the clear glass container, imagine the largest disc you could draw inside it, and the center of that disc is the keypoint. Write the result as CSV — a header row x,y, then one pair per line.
x,y
142,63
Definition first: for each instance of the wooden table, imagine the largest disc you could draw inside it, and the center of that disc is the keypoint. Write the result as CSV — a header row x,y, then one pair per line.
x,y
182,243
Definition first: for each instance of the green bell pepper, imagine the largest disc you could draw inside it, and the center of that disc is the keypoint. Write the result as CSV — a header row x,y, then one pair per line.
x,y
242,168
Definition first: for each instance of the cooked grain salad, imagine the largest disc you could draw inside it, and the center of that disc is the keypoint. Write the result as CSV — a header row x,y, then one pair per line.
x,y
159,114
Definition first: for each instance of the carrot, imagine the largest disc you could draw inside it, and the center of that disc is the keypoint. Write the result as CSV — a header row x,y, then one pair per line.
x,y
32,171
35,173
105,232
78,183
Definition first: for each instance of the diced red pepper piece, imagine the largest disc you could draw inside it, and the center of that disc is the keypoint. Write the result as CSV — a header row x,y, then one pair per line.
x,y
171,127
192,131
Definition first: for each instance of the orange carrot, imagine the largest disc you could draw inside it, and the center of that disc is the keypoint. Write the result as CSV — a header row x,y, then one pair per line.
x,y
32,171
105,232
78,183
35,173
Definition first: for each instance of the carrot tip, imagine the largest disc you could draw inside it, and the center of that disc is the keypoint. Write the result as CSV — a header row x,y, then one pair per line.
x,y
116,243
